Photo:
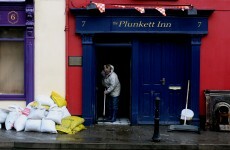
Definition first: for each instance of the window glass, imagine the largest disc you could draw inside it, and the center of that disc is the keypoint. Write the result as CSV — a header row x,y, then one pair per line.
x,y
11,32
11,67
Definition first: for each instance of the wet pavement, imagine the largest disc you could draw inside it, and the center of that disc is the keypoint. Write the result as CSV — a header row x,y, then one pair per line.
x,y
116,137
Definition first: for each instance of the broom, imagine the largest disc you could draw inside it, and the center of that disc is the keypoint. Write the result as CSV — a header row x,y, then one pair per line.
x,y
104,107
103,117
185,127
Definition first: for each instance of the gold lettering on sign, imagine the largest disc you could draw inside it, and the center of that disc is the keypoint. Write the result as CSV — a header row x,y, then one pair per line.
x,y
141,24
199,24
13,17
164,24
83,23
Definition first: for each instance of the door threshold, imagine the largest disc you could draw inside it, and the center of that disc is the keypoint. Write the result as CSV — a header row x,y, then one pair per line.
x,y
119,121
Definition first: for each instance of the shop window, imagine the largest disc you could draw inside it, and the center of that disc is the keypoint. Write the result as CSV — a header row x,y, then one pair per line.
x,y
11,61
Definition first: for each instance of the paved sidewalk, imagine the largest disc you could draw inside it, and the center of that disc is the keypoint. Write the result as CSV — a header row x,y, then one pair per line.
x,y
115,137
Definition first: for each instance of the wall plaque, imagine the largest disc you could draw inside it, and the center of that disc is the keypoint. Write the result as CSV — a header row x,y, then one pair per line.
x,y
75,61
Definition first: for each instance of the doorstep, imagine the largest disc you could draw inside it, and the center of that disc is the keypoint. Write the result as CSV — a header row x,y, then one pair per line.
x,y
119,121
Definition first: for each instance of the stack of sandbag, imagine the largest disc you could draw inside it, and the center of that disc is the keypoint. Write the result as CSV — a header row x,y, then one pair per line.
x,y
45,114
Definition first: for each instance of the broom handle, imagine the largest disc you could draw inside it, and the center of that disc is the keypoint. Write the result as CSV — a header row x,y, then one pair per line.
x,y
186,105
104,105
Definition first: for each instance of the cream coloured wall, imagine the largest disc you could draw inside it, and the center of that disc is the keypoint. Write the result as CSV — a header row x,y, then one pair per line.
x,y
49,47
49,50
7,103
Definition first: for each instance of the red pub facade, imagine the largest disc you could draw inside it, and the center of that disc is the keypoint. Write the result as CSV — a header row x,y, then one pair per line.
x,y
155,46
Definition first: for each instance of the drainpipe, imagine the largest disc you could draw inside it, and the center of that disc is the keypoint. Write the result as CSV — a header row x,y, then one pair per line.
x,y
67,45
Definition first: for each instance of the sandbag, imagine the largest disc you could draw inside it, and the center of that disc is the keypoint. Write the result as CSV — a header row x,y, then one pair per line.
x,y
55,114
58,99
36,104
33,125
44,100
65,112
10,119
37,114
48,126
69,124
63,129
26,111
20,123
72,121
78,128
3,115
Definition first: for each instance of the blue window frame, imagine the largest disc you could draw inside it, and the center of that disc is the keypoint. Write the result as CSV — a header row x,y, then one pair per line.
x,y
17,50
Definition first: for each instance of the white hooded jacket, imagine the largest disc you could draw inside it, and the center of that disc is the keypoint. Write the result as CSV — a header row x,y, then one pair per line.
x,y
112,83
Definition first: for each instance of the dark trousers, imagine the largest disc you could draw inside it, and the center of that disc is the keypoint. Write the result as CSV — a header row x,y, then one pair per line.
x,y
113,102
112,106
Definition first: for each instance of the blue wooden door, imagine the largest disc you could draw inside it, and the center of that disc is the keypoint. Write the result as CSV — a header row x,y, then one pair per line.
x,y
164,71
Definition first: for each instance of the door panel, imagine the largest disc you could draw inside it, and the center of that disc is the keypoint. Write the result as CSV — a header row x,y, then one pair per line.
x,y
164,70
176,72
151,75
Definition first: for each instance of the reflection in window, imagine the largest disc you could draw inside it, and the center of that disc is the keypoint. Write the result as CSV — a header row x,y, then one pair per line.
x,y
6,32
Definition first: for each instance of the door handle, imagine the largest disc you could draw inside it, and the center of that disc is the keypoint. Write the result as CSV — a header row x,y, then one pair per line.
x,y
163,81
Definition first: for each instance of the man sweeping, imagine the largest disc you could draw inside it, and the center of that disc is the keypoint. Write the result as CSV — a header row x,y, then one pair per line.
x,y
112,90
